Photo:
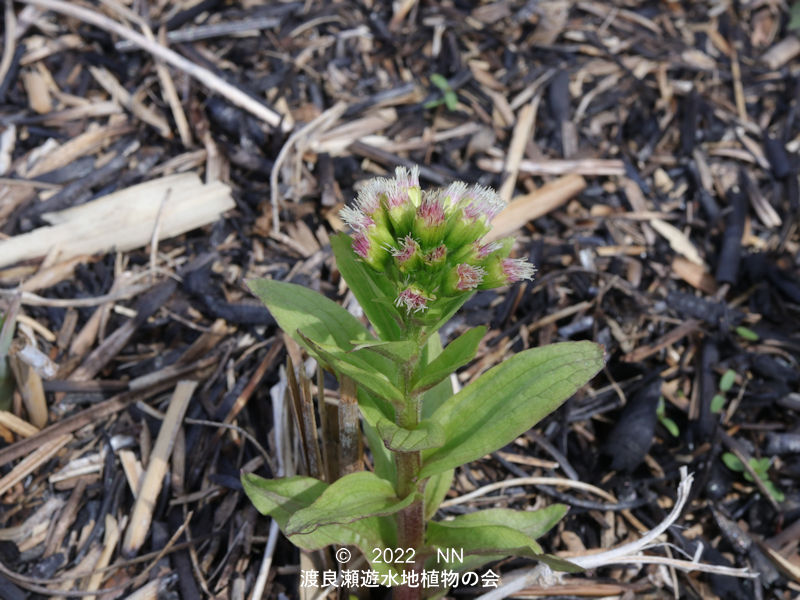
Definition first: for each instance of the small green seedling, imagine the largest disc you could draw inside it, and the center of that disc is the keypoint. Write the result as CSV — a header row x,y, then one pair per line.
x,y
7,322
449,98
668,423
760,466
794,20
725,385
746,334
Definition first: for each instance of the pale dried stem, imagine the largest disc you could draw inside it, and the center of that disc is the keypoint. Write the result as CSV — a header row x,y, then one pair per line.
x,y
204,76
625,554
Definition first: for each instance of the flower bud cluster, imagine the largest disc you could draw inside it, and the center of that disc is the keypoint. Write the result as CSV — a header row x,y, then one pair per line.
x,y
430,243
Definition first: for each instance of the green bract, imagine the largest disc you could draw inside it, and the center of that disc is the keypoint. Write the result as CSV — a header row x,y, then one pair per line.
x,y
413,259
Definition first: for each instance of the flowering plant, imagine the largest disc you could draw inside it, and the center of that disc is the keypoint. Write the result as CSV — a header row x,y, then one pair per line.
x,y
412,261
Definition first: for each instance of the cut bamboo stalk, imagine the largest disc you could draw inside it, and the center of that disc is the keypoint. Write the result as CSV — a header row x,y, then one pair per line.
x,y
29,384
171,94
30,463
156,469
520,137
132,468
554,166
19,426
120,95
109,545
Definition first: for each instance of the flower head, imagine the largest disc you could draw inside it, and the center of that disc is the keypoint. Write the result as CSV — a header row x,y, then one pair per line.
x,y
357,220
436,257
370,243
431,219
505,271
407,255
473,213
463,278
430,244
402,198
413,299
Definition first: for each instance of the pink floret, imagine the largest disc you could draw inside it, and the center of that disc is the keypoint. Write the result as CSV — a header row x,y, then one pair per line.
x,y
431,210
406,250
517,269
412,300
361,245
469,277
482,202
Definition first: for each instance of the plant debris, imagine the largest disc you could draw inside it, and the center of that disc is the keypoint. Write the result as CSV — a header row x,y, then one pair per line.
x,y
649,152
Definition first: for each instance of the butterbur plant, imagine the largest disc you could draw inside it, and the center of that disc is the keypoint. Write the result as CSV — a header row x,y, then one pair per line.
x,y
412,260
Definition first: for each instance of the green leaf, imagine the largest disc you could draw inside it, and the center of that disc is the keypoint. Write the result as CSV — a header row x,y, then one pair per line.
x,y
508,400
382,461
760,466
534,523
660,407
671,426
433,103
367,535
727,381
717,403
457,353
7,384
668,423
400,351
427,434
353,497
369,287
732,462
494,540
480,539
284,497
296,307
436,490
374,409
747,334
354,367
440,81
774,491
559,564
794,21
281,498
450,100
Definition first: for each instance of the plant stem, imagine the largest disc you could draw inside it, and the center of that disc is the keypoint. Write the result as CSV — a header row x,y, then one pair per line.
x,y
411,520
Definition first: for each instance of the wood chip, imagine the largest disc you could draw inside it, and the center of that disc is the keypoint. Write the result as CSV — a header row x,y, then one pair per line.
x,y
678,241
534,205
123,220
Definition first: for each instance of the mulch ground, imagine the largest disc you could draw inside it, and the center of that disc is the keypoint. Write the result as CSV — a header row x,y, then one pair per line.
x,y
650,150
